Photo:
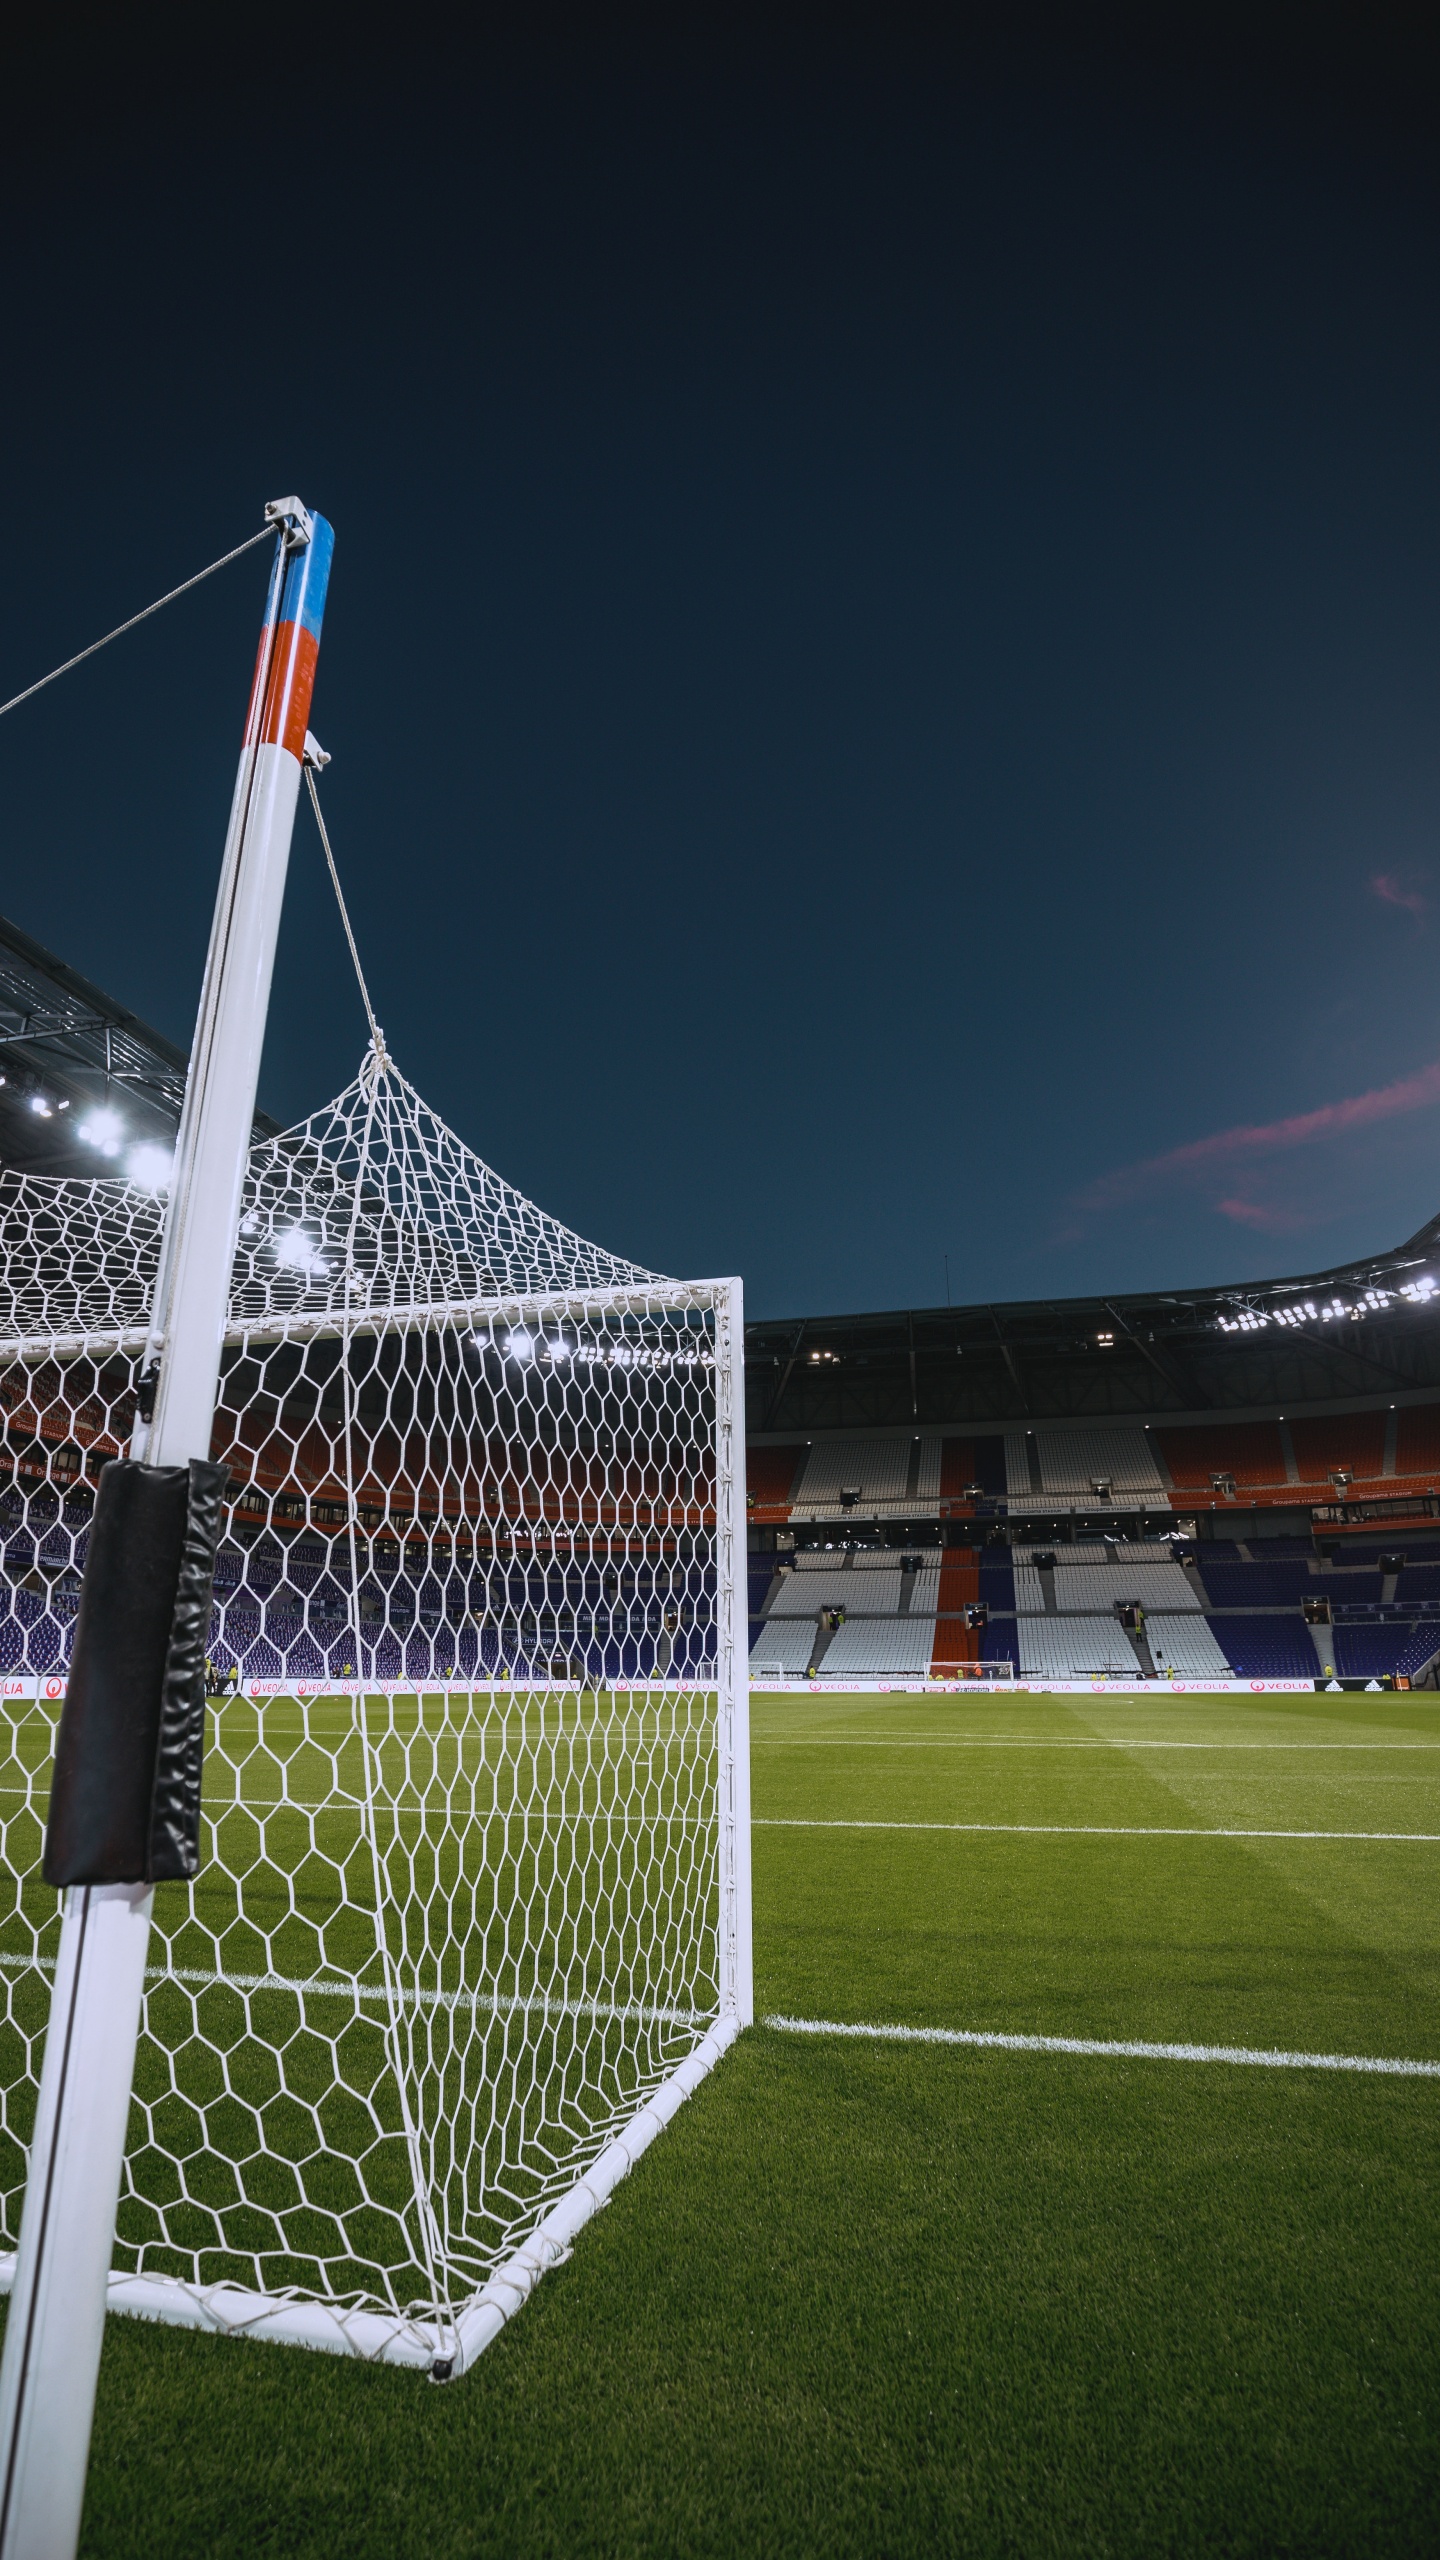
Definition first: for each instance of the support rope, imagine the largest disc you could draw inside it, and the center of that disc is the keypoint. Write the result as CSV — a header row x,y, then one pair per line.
x,y
376,1034
266,534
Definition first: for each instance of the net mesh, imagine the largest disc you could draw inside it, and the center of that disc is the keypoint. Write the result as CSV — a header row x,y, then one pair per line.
x,y
459,1910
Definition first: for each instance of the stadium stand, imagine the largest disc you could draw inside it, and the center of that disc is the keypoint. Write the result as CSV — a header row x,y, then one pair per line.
x,y
1098,1550
1266,1648
959,1578
963,1463
759,1578
1418,1583
924,1588
1358,1588
1074,1648
1043,1468
1369,1653
803,1594
1072,1462
957,1470
1000,1643
783,1647
1186,1645
1156,1584
1417,1441
888,1559
1324,1443
769,1477
876,1472
871,1647
958,1590
997,1581
1250,1452
1231,1583
1029,1591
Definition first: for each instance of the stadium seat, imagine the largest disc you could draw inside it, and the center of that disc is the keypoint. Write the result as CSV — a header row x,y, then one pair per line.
x,y
1266,1648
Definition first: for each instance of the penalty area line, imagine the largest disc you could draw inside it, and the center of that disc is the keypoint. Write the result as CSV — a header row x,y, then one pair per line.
x,y
1108,2048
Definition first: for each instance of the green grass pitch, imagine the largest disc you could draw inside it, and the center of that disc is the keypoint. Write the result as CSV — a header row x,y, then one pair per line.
x,y
883,2298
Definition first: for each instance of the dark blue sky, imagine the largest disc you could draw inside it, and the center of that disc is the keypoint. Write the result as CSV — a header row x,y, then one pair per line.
x,y
882,657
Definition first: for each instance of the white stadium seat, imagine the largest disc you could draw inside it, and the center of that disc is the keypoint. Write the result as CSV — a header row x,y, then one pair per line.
x,y
1073,1648
869,1647
1185,1645
783,1648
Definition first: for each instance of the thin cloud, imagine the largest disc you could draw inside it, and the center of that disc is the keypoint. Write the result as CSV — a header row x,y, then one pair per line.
x,y
1265,1215
1234,1147
1397,893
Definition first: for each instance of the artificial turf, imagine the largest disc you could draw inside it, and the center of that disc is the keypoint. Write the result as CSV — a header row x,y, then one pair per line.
x,y
889,2299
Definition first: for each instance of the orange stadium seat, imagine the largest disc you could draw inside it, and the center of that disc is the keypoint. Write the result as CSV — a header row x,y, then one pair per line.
x,y
1353,1441
770,1477
1251,1452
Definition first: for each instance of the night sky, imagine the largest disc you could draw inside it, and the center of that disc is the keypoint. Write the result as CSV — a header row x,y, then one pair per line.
x,y
883,661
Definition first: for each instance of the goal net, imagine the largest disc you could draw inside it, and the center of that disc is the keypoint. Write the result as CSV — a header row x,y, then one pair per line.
x,y
472,1914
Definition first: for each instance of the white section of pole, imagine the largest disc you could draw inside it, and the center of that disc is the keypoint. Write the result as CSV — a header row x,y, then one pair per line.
x,y
54,2333
192,1293
57,2310
732,1667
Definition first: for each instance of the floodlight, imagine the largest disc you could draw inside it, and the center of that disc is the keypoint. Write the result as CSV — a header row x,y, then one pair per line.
x,y
295,1251
521,1345
39,1103
150,1167
103,1129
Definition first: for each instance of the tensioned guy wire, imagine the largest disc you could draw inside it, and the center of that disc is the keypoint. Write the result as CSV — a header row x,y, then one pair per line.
x,y
376,1034
266,534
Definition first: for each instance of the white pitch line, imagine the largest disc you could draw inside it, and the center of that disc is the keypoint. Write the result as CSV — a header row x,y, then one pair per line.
x,y
1111,2048
324,1987
1078,1830
1026,1742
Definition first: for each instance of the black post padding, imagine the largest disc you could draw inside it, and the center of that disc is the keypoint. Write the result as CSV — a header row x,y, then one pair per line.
x,y
125,1797
180,1748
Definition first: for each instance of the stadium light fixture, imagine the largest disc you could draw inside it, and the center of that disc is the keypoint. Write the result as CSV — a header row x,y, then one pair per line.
x,y
103,1129
149,1167
39,1105
520,1344
295,1251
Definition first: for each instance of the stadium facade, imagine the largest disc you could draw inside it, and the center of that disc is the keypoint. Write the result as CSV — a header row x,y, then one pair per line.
x,y
1230,1481
1236,1479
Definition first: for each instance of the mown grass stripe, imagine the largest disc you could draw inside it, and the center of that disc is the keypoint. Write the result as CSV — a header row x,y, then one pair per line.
x,y
1109,2048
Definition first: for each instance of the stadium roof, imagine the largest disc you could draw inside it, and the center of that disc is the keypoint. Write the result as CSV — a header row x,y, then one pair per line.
x,y
1361,1333
66,1049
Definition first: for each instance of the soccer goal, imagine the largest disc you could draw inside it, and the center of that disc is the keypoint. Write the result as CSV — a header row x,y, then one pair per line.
x,y
472,1915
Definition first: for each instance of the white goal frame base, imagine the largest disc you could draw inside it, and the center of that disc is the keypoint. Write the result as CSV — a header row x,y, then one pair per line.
x,y
375,2337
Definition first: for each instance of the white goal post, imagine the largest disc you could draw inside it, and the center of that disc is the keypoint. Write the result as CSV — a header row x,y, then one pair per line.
x,y
473,1908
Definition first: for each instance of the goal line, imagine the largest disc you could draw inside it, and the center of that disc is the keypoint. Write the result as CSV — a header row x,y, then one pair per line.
x,y
1109,2048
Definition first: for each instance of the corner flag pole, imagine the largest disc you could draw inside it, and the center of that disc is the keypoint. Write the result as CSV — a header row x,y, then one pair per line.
x,y
124,1807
